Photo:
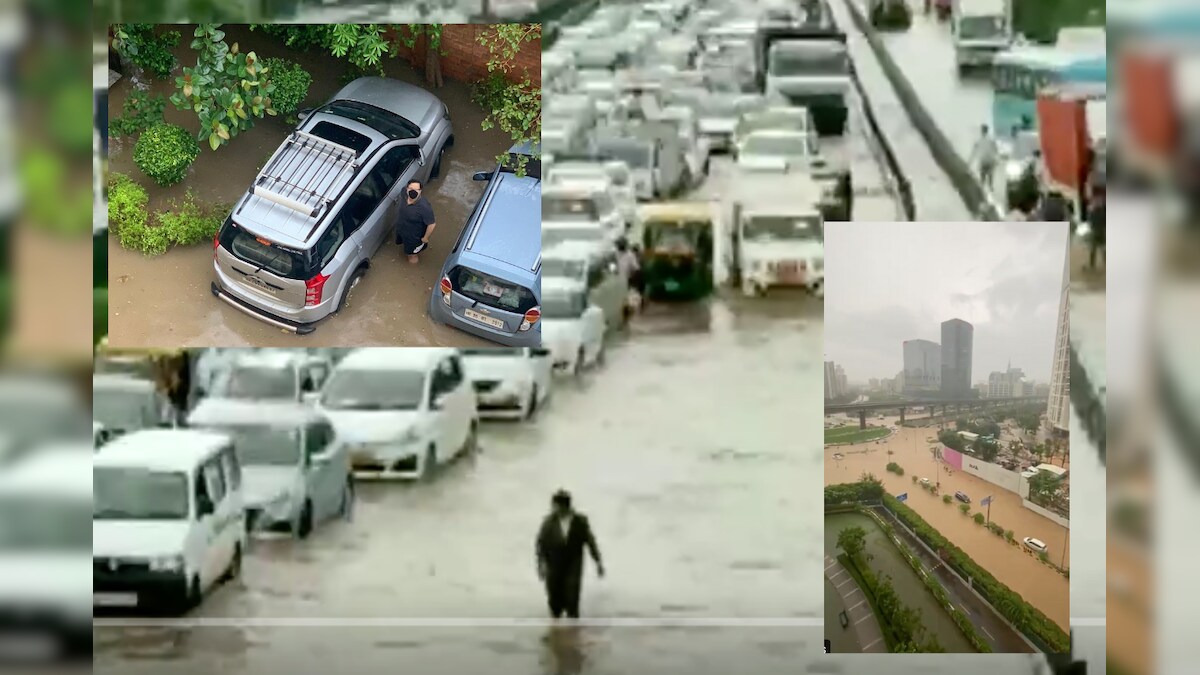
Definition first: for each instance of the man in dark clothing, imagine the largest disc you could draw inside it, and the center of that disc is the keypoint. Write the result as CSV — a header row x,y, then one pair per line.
x,y
1097,225
560,542
415,223
1054,209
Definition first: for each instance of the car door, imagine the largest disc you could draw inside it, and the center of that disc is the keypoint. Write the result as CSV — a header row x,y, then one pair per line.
x,y
594,327
543,369
462,395
382,189
441,409
216,550
320,472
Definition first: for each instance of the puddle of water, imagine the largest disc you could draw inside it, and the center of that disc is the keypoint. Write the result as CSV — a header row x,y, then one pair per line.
x,y
166,299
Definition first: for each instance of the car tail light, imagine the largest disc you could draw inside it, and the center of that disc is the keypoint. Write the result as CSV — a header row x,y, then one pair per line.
x,y
313,289
445,285
531,317
216,244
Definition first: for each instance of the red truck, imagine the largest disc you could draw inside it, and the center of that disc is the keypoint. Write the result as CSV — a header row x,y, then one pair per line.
x,y
1152,119
1071,126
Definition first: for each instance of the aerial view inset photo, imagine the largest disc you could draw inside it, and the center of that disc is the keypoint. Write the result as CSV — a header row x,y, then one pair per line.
x,y
947,525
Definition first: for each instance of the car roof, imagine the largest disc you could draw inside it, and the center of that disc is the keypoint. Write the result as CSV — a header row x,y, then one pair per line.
x,y
508,228
57,470
778,133
271,358
224,411
406,100
574,190
394,358
161,449
121,382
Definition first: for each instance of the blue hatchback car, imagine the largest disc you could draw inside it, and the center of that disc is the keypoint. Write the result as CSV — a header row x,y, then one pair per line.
x,y
491,284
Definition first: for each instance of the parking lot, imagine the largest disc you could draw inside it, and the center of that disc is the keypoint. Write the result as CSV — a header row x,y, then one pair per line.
x,y
166,299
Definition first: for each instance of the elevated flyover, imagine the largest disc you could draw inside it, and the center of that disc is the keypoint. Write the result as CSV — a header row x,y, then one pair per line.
x,y
956,405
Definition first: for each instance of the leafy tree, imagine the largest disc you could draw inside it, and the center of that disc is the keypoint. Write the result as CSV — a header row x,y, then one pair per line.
x,y
987,450
1043,486
962,424
852,541
872,488
964,508
227,89
951,440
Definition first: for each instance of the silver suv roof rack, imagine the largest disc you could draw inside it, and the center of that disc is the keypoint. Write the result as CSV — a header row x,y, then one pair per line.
x,y
308,174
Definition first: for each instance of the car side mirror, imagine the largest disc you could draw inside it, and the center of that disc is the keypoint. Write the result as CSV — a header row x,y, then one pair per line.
x,y
482,176
304,114
205,507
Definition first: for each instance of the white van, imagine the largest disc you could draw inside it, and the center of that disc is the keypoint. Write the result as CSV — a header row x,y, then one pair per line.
x,y
295,470
43,569
402,411
509,383
167,518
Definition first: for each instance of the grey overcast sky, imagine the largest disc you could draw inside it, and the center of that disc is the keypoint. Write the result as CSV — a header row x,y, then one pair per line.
x,y
890,282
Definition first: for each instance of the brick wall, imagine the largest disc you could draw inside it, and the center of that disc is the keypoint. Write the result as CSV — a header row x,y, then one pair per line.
x,y
466,60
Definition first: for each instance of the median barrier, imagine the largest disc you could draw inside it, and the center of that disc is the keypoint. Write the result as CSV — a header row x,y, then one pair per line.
x,y
955,167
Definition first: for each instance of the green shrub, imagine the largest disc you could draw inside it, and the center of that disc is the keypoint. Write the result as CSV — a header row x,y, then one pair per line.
x,y
53,201
301,36
1027,618
964,509
1045,557
946,499
164,152
126,203
895,468
138,43
1008,535
979,518
191,222
291,84
64,119
140,111
996,529
914,479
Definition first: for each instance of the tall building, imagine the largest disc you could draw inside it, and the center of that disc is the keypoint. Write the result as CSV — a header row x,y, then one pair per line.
x,y
873,384
1008,384
1058,408
830,381
842,385
957,336
922,367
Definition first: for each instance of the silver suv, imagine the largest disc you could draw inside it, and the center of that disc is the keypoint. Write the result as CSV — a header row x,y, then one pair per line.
x,y
303,235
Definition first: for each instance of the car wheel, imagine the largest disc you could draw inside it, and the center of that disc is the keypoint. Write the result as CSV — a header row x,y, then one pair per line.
x,y
235,565
531,407
192,597
305,525
354,280
437,164
429,465
346,511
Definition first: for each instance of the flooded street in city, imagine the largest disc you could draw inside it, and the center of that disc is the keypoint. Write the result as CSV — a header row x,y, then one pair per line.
x,y
679,449
165,300
1013,566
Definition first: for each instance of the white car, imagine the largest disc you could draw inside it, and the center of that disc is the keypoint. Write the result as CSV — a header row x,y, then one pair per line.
x,y
402,411
612,177
44,569
277,375
295,470
122,403
579,207
167,522
796,148
572,327
511,383
1035,545
595,267
924,481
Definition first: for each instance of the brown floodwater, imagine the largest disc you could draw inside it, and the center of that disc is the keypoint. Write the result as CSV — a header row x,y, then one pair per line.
x,y
1011,564
165,300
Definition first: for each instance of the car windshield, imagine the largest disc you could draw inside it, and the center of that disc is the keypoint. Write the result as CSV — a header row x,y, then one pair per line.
x,y
636,155
981,27
672,237
264,444
119,409
262,383
570,209
563,306
553,236
389,389
778,145
35,524
789,63
385,122
774,120
494,351
138,494
563,267
781,227
492,290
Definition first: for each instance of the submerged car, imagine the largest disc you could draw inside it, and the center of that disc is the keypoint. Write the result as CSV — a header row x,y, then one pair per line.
x,y
574,326
302,237
509,383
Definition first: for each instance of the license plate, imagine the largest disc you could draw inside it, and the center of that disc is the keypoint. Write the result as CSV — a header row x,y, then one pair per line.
x,y
258,283
472,314
115,599
492,290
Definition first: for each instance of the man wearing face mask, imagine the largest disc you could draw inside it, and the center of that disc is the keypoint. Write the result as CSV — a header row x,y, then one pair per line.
x,y
415,223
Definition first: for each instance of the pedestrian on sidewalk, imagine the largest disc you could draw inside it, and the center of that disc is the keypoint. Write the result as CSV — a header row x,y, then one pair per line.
x,y
560,542
415,222
987,153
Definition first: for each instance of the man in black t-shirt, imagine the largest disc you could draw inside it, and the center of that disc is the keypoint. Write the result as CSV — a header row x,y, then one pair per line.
x,y
415,222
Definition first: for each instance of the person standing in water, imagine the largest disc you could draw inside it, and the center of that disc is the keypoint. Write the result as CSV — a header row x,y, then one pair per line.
x,y
415,223
560,542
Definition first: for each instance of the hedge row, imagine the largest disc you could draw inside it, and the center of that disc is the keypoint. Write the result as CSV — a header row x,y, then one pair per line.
x,y
935,587
1012,606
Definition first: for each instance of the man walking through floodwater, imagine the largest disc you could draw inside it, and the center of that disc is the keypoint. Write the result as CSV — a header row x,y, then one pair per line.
x,y
415,223
987,153
560,542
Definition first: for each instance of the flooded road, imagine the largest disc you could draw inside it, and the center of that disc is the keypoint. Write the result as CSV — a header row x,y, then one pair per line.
x,y
165,300
1013,566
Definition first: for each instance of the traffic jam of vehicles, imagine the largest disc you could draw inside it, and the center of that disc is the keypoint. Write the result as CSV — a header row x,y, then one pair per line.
x,y
709,144
199,453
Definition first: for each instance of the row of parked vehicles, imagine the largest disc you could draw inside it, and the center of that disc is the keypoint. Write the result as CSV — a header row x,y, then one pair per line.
x,y
195,451
302,237
642,99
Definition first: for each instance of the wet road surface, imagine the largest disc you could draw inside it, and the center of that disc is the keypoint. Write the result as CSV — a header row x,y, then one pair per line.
x,y
165,300
863,633
1018,569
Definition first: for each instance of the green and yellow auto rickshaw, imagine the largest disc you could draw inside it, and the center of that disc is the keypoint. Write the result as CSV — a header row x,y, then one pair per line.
x,y
677,254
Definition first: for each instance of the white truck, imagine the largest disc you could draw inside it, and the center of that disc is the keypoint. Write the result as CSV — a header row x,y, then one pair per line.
x,y
981,28
776,232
